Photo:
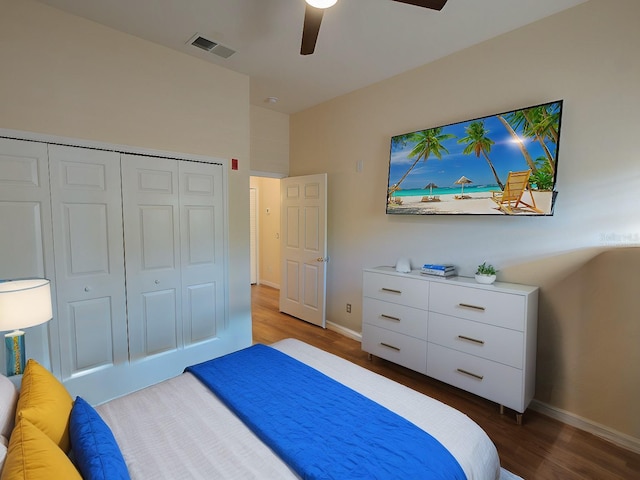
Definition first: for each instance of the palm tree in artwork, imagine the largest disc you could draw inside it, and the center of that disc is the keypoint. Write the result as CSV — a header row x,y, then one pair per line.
x,y
541,123
478,142
427,143
520,143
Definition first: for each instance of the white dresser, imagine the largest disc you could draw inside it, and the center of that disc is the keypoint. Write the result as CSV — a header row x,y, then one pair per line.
x,y
480,338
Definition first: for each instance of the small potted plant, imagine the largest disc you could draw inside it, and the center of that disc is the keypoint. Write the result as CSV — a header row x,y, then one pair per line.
x,y
485,274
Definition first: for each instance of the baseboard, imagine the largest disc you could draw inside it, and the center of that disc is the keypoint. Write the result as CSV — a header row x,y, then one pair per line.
x,y
269,284
613,436
357,336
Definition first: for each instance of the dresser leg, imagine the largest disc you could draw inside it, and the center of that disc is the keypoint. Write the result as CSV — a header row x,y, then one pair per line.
x,y
370,357
518,415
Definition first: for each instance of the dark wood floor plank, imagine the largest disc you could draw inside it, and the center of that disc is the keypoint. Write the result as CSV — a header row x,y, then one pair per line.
x,y
541,448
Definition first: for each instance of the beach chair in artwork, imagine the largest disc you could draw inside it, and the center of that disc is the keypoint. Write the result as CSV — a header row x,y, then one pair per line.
x,y
511,197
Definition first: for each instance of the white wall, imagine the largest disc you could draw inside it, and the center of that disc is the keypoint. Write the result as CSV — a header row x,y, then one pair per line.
x,y
587,56
66,76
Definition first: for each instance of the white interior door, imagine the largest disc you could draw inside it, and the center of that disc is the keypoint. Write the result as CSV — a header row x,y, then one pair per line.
x,y
304,247
26,243
201,251
152,240
87,231
174,239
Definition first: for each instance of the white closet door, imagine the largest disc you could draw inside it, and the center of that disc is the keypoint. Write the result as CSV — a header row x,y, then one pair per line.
x,y
152,241
87,230
26,245
202,256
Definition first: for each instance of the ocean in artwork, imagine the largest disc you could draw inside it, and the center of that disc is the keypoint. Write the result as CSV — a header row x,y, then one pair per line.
x,y
468,189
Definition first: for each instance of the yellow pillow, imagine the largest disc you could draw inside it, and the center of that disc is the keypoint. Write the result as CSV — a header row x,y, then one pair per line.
x,y
45,403
33,456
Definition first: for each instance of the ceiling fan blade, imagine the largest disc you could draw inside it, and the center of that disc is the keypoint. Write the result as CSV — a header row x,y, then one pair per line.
x,y
312,20
432,4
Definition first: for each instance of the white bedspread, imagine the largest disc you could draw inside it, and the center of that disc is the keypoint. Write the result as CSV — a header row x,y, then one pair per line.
x,y
179,430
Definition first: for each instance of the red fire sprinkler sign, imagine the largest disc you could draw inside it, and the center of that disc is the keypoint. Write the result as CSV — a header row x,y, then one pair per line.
x,y
234,164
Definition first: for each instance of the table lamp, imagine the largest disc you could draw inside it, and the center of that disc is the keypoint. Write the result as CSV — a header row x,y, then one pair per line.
x,y
23,303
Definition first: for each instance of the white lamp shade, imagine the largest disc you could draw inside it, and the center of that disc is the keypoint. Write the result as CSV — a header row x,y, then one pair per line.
x,y
24,303
321,3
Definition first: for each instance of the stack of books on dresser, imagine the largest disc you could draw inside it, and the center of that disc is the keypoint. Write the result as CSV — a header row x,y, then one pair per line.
x,y
438,269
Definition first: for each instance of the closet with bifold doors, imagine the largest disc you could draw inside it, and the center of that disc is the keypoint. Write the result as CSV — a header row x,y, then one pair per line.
x,y
135,247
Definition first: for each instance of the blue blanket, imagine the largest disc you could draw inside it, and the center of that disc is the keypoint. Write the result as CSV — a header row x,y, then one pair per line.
x,y
319,427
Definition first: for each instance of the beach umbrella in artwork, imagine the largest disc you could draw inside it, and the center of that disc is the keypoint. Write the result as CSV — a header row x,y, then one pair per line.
x,y
431,186
461,181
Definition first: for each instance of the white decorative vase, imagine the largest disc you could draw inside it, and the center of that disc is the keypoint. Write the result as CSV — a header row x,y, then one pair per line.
x,y
486,279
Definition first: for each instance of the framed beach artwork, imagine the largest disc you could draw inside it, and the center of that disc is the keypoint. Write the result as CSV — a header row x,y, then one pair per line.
x,y
502,164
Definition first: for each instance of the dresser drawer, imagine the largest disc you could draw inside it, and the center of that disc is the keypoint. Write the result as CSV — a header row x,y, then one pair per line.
x,y
495,308
398,318
395,347
493,343
491,380
407,291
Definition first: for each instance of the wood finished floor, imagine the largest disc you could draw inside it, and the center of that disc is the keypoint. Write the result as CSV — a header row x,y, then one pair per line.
x,y
541,448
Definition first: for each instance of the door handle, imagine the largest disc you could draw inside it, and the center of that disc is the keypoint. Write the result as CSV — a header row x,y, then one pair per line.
x,y
322,259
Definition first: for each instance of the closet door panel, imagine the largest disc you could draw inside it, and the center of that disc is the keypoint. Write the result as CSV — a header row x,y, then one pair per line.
x,y
86,226
90,324
22,219
157,242
152,229
159,320
26,245
87,229
201,222
201,312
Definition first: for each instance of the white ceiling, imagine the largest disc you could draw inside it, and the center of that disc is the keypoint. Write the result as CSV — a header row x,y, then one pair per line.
x,y
360,42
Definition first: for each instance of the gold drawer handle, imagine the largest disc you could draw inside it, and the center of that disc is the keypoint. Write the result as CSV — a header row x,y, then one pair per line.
x,y
469,339
389,317
390,290
390,346
478,377
472,307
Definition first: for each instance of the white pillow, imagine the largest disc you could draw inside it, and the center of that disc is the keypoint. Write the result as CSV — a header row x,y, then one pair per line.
x,y
4,443
8,401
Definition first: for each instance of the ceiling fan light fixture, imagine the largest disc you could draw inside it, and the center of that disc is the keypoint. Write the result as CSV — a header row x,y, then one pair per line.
x,y
321,3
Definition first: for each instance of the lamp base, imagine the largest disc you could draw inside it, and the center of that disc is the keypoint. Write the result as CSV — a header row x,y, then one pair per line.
x,y
14,346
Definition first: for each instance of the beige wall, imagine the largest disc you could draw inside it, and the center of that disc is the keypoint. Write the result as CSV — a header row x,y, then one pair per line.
x,y
65,76
586,56
269,156
269,141
268,190
589,333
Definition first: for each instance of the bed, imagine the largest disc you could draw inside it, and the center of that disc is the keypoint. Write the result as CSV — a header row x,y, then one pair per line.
x,y
179,429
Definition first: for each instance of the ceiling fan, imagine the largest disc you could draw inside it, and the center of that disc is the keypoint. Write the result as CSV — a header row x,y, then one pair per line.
x,y
315,9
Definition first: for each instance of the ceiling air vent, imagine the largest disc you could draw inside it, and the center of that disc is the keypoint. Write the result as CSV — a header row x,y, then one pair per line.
x,y
210,46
